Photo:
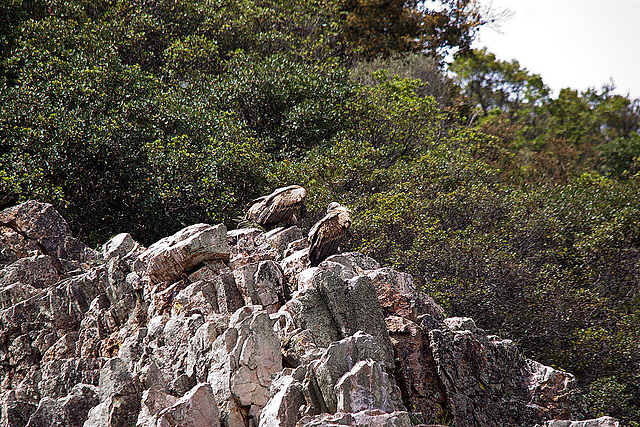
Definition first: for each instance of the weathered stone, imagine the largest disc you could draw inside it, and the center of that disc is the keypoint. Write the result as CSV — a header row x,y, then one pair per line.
x,y
398,296
295,246
14,413
153,402
599,422
283,408
13,294
64,348
198,297
370,418
355,261
249,245
119,397
339,358
173,256
77,404
261,284
121,246
132,348
294,264
280,238
243,360
488,382
367,386
48,414
37,271
332,309
60,376
197,408
14,246
43,225
555,391
416,370
199,346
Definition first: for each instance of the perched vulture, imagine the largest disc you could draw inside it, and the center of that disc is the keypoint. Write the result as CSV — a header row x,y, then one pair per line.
x,y
326,234
278,207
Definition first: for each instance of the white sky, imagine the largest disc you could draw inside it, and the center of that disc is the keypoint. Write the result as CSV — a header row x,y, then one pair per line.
x,y
571,43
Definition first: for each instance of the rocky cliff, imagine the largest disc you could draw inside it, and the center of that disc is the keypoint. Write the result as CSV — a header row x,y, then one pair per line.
x,y
210,327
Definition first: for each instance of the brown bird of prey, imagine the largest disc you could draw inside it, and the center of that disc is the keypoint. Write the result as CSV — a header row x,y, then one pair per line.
x,y
326,234
277,207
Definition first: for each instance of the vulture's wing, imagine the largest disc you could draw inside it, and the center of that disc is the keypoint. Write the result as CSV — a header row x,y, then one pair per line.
x,y
326,235
255,207
280,205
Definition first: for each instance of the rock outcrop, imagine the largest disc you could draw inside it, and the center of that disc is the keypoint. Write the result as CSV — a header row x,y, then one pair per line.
x,y
214,328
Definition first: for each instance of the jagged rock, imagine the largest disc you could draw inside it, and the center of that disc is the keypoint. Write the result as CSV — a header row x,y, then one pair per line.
x,y
599,422
121,246
262,284
196,361
366,386
280,238
16,293
14,413
37,271
197,408
331,309
227,296
249,245
287,396
59,377
324,375
555,391
398,296
14,246
119,397
154,400
77,404
48,414
294,264
41,224
243,360
173,256
370,418
198,297
355,261
489,383
175,316
295,246
416,370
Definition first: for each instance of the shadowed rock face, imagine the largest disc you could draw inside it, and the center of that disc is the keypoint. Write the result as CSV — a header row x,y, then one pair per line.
x,y
209,328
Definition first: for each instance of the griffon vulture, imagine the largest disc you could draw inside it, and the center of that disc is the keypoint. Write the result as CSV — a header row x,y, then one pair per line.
x,y
277,207
326,234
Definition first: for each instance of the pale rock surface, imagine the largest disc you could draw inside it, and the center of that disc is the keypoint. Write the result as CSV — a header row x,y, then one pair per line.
x,y
287,397
366,386
416,371
261,283
280,238
169,258
331,309
244,358
197,408
249,245
40,224
599,422
370,418
324,374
